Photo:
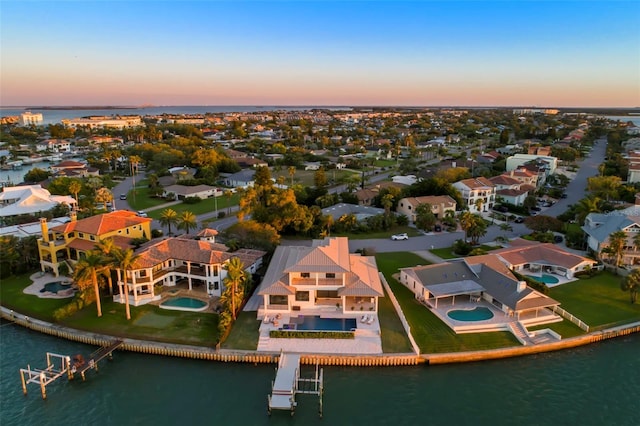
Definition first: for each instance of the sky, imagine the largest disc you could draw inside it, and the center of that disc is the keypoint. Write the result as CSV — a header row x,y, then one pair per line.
x,y
415,53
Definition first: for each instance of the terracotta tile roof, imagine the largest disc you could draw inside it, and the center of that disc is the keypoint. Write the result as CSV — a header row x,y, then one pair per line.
x,y
476,183
207,232
82,245
504,180
197,251
547,253
434,200
511,192
102,223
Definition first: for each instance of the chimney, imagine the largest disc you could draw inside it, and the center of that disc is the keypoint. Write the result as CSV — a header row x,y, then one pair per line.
x,y
73,216
44,228
521,286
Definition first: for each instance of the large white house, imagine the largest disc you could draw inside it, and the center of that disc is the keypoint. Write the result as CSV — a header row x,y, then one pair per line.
x,y
549,163
30,199
599,227
324,277
479,194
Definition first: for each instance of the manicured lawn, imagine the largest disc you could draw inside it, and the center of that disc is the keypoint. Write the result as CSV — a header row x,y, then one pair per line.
x,y
13,297
447,252
394,338
598,301
141,200
244,333
430,333
305,177
565,328
411,232
202,207
147,322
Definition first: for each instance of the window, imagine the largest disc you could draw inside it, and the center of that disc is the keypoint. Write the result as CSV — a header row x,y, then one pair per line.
x,y
71,234
80,235
327,294
278,300
215,270
92,237
330,275
305,275
302,296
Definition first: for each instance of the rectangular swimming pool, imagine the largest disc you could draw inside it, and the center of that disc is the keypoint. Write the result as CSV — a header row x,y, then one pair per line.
x,y
306,322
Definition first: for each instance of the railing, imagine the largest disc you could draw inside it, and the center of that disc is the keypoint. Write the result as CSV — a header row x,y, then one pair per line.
x,y
320,281
577,321
398,309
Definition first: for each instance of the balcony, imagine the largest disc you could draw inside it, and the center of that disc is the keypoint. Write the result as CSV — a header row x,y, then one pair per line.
x,y
335,282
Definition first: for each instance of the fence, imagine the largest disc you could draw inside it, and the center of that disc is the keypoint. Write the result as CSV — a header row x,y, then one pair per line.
x,y
398,309
571,317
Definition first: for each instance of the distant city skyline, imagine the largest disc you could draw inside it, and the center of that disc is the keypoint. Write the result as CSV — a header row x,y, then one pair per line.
x,y
417,53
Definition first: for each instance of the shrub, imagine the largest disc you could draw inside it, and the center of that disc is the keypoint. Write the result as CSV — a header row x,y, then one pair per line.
x,y
156,233
296,334
191,200
462,248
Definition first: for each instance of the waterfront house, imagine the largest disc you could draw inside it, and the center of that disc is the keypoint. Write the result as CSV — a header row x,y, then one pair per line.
x,y
195,264
322,278
30,199
71,241
527,257
599,227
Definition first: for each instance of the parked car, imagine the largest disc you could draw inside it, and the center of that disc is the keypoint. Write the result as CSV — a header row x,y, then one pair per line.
x,y
437,228
563,195
557,238
519,219
535,209
502,209
142,214
123,196
397,237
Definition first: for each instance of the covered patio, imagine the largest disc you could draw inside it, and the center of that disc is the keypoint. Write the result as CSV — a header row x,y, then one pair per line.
x,y
464,291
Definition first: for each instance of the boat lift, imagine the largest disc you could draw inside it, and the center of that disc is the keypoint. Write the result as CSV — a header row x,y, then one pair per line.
x,y
288,384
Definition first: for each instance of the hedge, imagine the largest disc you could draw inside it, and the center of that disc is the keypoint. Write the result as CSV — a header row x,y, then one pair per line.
x,y
296,334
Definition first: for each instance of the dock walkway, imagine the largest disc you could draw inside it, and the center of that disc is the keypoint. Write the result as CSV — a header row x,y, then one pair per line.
x,y
284,386
97,356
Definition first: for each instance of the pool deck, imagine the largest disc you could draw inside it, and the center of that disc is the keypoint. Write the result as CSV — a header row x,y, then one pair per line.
x,y
367,336
39,279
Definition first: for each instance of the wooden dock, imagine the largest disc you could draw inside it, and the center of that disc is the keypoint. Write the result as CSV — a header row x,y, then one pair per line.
x,y
288,383
60,365
95,357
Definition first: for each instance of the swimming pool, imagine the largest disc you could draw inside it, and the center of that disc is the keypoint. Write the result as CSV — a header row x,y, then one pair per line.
x,y
547,279
184,304
56,286
477,314
314,322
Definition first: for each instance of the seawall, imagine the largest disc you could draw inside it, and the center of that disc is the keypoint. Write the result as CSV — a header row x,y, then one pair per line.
x,y
354,360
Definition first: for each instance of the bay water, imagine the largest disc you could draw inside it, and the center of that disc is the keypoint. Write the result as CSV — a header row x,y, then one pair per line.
x,y
597,384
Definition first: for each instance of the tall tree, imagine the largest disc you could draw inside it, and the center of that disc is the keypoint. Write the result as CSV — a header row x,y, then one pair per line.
x,y
187,221
585,206
86,271
108,248
292,173
169,217
631,283
617,242
425,219
125,259
75,186
235,283
104,196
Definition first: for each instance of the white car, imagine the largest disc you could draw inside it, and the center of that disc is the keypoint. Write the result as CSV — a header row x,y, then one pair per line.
x,y
142,214
398,237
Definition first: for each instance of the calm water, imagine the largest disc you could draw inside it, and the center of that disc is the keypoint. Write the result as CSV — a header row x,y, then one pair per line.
x,y
594,385
52,116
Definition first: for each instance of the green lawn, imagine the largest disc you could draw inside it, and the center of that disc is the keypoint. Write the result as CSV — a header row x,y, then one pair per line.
x,y
244,333
202,207
13,297
147,322
598,301
394,338
141,200
305,177
447,252
430,333
565,328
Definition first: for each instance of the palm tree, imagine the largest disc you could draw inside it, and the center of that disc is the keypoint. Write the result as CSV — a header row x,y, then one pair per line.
x,y
631,283
187,221
292,173
467,220
479,203
505,227
108,250
234,283
617,241
125,259
104,196
86,271
75,186
585,206
169,217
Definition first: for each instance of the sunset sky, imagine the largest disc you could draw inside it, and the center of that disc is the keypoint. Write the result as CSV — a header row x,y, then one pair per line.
x,y
419,53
